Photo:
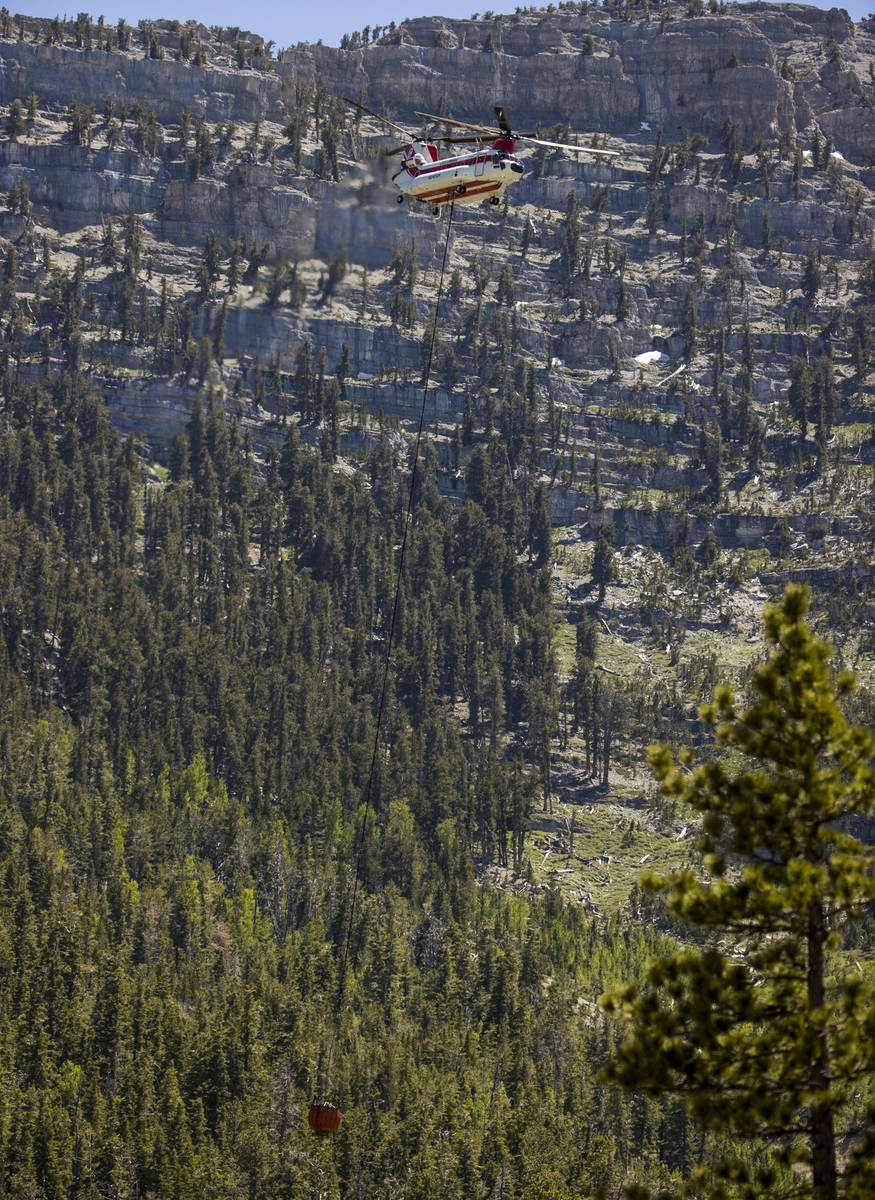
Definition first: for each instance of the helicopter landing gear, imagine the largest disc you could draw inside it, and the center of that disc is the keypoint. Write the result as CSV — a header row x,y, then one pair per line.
x,y
435,210
494,200
460,189
400,199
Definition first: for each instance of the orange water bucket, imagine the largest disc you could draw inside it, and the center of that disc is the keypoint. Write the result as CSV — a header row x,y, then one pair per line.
x,y
323,1118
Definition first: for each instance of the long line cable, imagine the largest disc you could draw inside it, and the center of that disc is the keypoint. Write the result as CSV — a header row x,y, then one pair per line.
x,y
341,987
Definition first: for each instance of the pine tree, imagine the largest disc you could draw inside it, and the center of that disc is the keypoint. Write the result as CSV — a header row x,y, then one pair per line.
x,y
540,526
569,243
689,323
16,123
812,276
762,1039
604,563
799,393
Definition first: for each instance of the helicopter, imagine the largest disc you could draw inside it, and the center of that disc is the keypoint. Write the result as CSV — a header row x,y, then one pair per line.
x,y
482,174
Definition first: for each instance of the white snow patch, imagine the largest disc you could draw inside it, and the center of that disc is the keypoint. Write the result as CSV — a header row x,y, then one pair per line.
x,y
838,155
364,376
651,356
645,126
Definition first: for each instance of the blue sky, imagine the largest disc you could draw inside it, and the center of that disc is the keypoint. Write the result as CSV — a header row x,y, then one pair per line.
x,y
285,24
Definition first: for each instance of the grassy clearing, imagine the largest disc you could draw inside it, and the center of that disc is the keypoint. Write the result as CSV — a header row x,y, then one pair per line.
x,y
678,629
617,837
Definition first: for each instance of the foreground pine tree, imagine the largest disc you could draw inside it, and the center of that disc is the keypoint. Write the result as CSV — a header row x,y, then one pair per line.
x,y
771,1036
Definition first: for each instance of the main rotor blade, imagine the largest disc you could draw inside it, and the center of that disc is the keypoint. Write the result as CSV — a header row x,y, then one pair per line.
x,y
536,141
385,120
504,126
459,124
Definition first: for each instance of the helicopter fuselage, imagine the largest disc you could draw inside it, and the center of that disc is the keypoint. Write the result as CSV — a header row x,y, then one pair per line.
x,y
460,179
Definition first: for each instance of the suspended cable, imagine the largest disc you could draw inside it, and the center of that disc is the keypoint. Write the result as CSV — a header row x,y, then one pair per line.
x,y
341,987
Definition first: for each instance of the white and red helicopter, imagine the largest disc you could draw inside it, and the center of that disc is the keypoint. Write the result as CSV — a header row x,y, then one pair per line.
x,y
482,174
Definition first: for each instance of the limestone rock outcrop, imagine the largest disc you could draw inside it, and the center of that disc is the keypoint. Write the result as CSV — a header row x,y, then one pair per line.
x,y
726,244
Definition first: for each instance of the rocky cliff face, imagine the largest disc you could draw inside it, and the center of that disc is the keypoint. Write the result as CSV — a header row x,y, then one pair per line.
x,y
688,73
59,74
660,299
760,66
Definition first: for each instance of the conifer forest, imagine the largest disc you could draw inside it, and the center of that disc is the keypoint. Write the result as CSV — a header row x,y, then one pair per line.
x,y
437,653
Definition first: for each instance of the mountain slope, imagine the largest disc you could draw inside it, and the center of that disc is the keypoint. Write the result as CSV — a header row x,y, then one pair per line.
x,y
651,405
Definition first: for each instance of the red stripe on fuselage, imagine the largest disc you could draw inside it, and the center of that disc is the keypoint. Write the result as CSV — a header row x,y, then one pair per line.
x,y
449,193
